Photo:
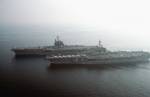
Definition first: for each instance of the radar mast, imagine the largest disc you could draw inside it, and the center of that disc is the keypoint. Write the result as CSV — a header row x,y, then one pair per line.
x,y
99,44
58,43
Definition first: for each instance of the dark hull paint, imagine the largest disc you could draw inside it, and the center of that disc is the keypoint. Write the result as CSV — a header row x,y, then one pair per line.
x,y
100,64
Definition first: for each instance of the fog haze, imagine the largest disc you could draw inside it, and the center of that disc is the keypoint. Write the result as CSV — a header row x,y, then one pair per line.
x,y
120,25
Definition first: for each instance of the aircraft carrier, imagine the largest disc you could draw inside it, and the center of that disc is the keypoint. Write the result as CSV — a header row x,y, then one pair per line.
x,y
103,58
59,48
60,53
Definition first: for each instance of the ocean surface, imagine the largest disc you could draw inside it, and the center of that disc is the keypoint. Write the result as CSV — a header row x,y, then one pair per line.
x,y
24,77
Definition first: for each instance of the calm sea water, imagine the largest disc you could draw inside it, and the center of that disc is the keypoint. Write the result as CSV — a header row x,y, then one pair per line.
x,y
24,77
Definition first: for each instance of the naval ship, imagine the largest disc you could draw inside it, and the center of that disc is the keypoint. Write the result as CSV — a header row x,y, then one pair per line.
x,y
121,57
59,48
60,53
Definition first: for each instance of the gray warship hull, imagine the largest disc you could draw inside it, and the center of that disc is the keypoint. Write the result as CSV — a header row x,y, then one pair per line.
x,y
52,50
100,59
103,62
57,49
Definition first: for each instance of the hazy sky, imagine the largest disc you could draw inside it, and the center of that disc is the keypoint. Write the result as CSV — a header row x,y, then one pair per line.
x,y
124,22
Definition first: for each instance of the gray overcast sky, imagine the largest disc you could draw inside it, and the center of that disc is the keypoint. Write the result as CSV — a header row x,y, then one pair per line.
x,y
127,22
